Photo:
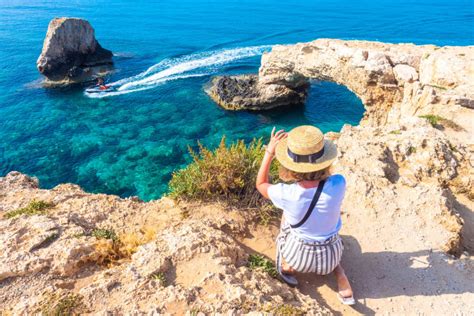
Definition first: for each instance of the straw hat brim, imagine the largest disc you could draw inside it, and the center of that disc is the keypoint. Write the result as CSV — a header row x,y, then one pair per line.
x,y
330,154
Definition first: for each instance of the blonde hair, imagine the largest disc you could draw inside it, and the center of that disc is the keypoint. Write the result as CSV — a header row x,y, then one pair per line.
x,y
293,176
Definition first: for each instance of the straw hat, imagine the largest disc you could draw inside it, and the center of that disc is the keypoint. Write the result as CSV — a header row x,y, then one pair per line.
x,y
305,150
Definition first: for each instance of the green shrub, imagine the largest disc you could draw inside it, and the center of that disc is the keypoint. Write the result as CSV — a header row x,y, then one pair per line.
x,y
432,119
260,262
105,233
33,208
226,174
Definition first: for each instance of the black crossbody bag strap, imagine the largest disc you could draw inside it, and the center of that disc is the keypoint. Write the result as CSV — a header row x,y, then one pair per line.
x,y
312,205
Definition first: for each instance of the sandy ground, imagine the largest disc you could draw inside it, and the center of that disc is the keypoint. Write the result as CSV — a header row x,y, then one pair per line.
x,y
390,276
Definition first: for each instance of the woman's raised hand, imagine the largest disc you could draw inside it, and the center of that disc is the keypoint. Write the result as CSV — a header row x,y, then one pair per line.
x,y
275,139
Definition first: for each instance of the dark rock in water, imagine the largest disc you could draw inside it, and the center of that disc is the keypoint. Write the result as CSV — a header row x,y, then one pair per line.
x,y
71,52
244,93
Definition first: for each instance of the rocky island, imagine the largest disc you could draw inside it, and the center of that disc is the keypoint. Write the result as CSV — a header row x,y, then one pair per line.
x,y
71,53
408,212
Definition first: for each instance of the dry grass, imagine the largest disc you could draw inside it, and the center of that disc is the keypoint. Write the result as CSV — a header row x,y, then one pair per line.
x,y
120,247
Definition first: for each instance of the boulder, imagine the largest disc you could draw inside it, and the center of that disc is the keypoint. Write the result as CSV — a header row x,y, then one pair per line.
x,y
405,73
71,52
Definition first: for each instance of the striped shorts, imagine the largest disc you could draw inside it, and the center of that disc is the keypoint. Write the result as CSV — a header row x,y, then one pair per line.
x,y
303,256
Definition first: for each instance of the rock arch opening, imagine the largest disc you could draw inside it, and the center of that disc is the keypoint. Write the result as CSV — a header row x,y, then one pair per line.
x,y
330,105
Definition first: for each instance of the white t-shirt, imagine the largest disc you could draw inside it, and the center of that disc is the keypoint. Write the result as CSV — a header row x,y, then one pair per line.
x,y
294,200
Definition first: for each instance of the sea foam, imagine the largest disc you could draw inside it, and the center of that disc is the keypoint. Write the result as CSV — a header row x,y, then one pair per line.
x,y
193,65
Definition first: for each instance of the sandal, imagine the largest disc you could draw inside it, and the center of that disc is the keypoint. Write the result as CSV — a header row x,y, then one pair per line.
x,y
346,300
289,279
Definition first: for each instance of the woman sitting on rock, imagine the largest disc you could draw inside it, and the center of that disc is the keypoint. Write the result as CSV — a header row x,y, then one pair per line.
x,y
308,241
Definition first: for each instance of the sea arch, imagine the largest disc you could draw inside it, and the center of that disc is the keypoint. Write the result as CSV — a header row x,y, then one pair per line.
x,y
393,81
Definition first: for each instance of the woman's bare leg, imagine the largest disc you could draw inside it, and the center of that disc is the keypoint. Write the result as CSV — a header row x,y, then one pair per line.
x,y
344,287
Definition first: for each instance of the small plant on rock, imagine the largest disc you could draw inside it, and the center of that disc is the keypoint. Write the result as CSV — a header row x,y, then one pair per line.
x,y
260,262
285,310
432,119
35,207
62,304
160,278
438,122
104,233
46,242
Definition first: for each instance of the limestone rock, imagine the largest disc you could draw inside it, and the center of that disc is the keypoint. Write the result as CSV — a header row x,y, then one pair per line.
x,y
405,73
446,68
15,179
392,80
401,173
22,239
71,52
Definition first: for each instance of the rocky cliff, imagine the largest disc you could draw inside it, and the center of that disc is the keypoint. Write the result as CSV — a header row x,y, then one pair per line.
x,y
71,53
192,259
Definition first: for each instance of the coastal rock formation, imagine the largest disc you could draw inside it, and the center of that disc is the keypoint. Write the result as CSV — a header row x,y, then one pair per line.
x,y
398,200
392,80
242,93
71,52
402,171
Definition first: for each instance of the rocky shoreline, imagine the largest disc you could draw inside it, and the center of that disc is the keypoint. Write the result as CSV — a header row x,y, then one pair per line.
x,y
407,215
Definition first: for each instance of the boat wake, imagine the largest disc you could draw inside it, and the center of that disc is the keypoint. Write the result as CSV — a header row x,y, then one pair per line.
x,y
194,65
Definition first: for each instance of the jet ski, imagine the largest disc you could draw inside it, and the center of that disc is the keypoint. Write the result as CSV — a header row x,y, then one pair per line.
x,y
101,88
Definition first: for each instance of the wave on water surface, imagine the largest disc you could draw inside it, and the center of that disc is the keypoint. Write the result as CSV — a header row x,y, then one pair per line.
x,y
194,65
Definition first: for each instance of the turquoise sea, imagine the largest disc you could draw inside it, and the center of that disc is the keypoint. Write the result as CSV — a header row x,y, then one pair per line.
x,y
165,53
